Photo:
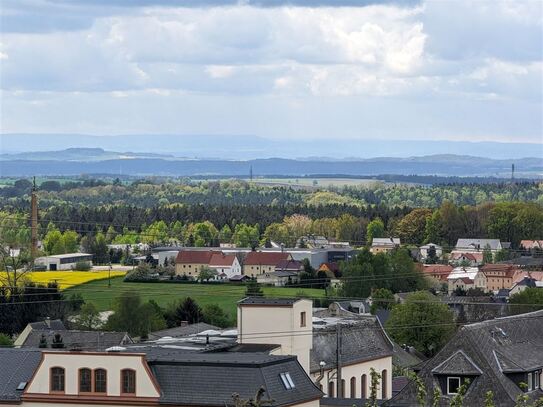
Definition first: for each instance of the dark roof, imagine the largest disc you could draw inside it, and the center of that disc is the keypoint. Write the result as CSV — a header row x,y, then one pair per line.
x,y
457,364
398,383
18,366
252,347
406,357
361,340
286,264
180,331
525,261
346,402
268,301
210,379
87,340
55,324
265,258
238,277
495,347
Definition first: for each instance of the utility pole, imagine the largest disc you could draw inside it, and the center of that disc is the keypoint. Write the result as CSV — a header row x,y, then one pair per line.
x,y
339,386
34,220
251,173
512,173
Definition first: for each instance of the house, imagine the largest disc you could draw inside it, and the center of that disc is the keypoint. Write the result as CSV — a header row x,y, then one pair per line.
x,y
437,272
363,345
152,376
226,265
278,278
478,245
190,262
331,269
462,277
533,263
47,324
426,250
531,244
495,355
257,263
293,266
494,277
471,259
73,339
526,282
384,244
62,262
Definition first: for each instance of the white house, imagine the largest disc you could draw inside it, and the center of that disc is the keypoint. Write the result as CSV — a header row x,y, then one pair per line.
x,y
427,248
63,262
226,265
462,277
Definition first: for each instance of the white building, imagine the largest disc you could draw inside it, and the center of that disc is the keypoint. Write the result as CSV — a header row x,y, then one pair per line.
x,y
462,277
63,262
424,250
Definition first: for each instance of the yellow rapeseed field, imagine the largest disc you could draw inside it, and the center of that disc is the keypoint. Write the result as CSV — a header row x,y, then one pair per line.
x,y
66,279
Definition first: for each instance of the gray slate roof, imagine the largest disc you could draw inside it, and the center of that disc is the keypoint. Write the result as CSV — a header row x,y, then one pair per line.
x,y
467,244
361,340
87,340
18,366
268,301
457,364
495,347
180,331
55,324
210,379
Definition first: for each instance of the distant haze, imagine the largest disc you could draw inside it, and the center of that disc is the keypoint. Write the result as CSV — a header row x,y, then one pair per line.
x,y
245,147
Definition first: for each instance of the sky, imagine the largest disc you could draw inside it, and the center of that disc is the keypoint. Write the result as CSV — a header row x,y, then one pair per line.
x,y
304,69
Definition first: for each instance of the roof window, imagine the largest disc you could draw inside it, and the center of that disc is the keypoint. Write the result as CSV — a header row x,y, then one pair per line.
x,y
287,381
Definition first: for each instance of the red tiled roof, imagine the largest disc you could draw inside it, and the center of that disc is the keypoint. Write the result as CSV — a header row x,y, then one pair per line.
x,y
195,256
333,266
520,274
508,270
220,259
265,258
532,244
439,270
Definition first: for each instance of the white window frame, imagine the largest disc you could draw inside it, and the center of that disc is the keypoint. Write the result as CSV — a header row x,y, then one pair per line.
x,y
448,382
530,381
537,379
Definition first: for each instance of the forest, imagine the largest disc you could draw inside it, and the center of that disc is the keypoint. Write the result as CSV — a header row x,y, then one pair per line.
x,y
95,213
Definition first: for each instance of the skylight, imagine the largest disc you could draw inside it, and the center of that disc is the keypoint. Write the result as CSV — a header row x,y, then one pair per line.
x,y
21,386
287,381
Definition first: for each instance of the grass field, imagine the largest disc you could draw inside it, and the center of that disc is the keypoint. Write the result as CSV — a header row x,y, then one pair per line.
x,y
224,295
67,279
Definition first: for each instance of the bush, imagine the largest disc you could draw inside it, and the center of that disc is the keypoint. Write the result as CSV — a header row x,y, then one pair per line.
x,y
141,273
5,341
82,266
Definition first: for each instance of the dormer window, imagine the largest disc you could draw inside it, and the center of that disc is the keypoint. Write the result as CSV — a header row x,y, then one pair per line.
x,y
100,381
57,380
128,381
453,384
85,380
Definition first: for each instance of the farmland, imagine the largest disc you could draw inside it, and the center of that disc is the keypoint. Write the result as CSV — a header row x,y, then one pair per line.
x,y
223,295
67,279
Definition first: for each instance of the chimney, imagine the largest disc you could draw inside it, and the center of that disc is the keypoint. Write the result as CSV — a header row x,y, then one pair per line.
x,y
48,322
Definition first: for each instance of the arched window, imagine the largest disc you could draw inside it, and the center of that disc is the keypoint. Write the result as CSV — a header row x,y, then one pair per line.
x,y
331,389
100,381
128,381
57,379
342,389
85,380
353,387
384,384
363,386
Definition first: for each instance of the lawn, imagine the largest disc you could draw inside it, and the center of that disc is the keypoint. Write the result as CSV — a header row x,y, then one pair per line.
x,y
224,295
67,279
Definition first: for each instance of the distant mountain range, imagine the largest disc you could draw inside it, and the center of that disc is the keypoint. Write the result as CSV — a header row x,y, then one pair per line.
x,y
244,147
78,161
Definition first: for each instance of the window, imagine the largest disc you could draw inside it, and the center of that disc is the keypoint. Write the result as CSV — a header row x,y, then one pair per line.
x,y
530,382
537,380
302,319
128,381
353,387
384,383
342,389
57,379
85,379
453,384
364,385
287,381
100,381
330,389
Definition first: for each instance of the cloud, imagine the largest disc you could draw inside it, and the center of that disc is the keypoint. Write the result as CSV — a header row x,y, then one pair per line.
x,y
455,67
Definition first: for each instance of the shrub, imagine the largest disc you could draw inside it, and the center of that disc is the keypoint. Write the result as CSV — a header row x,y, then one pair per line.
x,y
82,266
